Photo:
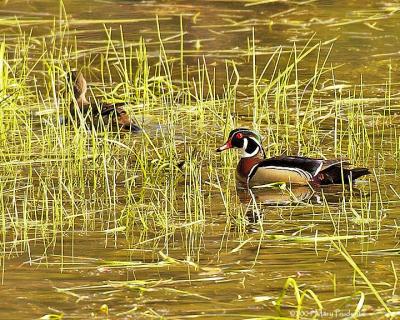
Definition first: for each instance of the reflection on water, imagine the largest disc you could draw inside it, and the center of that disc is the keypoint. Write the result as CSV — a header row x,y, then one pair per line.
x,y
257,201
295,194
278,196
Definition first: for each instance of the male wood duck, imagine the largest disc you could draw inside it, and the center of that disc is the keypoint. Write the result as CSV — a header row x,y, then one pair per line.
x,y
102,113
255,170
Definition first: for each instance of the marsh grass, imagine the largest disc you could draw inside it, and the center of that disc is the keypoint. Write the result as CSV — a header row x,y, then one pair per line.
x,y
59,180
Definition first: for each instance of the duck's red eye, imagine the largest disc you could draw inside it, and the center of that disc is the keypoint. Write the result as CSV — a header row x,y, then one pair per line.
x,y
239,135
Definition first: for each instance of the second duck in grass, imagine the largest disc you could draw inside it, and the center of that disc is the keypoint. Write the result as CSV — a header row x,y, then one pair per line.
x,y
255,170
97,113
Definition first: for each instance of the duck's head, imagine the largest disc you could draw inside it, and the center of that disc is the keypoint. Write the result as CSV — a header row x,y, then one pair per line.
x,y
247,140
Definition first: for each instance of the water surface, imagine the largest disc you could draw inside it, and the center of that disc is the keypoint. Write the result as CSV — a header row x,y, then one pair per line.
x,y
216,264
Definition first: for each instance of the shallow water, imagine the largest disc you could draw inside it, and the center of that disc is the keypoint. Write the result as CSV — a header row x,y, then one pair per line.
x,y
214,266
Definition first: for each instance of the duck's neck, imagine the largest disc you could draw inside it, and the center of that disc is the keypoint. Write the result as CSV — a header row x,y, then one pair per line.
x,y
80,90
252,154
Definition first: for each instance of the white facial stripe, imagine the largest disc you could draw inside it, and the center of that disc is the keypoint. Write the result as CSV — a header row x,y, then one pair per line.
x,y
245,144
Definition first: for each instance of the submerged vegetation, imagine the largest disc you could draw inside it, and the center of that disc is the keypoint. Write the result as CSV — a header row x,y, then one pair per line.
x,y
159,209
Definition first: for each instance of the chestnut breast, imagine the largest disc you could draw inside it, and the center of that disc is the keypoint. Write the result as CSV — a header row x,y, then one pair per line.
x,y
244,167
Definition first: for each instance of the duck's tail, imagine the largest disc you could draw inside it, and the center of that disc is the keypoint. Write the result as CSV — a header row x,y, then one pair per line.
x,y
337,174
358,172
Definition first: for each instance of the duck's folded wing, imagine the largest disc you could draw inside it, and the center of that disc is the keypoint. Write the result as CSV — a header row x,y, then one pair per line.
x,y
307,165
310,165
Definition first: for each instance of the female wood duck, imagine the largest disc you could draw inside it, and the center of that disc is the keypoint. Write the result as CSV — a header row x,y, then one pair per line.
x,y
101,113
255,170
